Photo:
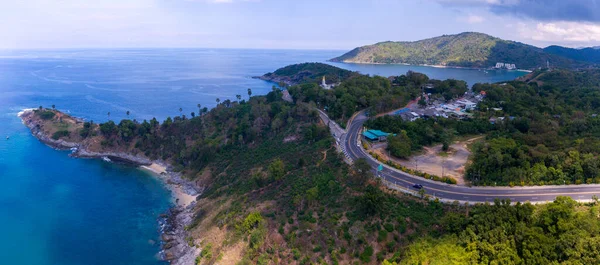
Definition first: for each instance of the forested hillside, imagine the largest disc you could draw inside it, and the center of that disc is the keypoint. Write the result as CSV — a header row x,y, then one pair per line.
x,y
376,94
541,130
277,192
469,49
591,55
308,73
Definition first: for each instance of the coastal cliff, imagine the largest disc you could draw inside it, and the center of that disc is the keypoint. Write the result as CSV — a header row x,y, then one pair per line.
x,y
47,125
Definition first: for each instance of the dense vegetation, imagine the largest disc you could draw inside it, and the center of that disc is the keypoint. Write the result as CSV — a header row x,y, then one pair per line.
x,y
412,136
278,190
308,73
561,232
591,55
376,94
467,49
544,130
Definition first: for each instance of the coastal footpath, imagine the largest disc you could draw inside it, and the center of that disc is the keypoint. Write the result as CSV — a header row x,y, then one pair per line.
x,y
175,247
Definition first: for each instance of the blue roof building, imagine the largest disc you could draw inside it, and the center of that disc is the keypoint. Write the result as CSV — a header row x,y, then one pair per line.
x,y
375,135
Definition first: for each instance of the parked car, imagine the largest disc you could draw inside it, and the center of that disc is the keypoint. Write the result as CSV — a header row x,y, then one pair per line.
x,y
418,186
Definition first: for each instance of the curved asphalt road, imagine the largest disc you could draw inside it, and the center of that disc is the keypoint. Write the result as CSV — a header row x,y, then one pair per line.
x,y
449,192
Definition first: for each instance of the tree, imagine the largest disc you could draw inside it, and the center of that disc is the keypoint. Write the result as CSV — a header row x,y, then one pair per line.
x,y
218,100
422,102
362,171
422,193
249,93
180,110
127,113
239,97
53,106
193,114
108,115
312,194
372,201
199,109
400,145
277,169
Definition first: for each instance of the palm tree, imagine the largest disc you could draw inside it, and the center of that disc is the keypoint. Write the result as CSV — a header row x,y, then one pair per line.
x,y
127,114
249,93
239,97
180,110
199,108
218,100
193,114
53,106
108,115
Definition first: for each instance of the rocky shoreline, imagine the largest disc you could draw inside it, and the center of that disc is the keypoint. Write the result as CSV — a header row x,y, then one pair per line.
x,y
175,248
276,79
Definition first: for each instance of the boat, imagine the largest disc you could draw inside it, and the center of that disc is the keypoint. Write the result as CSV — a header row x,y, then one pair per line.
x,y
7,137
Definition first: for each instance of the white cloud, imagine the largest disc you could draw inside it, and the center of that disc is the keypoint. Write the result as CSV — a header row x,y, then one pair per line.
x,y
474,19
568,33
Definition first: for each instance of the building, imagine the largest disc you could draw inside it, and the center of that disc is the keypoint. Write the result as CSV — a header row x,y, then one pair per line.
x,y
409,116
375,135
466,104
400,111
324,84
507,66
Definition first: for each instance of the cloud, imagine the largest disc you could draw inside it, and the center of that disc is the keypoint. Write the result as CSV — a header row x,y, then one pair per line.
x,y
474,19
223,1
542,10
569,33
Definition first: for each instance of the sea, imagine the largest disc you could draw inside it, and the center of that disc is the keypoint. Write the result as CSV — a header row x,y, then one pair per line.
x,y
55,209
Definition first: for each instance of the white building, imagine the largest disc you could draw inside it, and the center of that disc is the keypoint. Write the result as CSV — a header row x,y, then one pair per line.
x,y
508,66
466,104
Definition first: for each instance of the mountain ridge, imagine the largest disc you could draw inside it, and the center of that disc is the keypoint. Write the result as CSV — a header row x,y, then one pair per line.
x,y
467,49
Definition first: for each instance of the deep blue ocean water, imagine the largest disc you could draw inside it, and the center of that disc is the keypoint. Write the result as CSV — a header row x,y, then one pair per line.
x,y
55,209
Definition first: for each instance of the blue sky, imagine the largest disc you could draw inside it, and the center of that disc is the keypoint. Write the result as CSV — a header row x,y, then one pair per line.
x,y
307,24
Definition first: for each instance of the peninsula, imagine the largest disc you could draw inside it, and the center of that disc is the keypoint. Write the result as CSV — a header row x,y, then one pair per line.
x,y
276,190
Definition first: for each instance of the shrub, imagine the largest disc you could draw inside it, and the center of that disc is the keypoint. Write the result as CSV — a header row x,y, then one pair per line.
x,y
46,114
366,255
59,134
389,227
253,220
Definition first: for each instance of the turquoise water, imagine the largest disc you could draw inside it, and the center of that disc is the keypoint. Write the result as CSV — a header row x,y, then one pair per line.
x,y
59,210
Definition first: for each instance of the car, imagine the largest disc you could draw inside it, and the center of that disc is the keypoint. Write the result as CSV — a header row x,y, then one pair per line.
x,y
418,186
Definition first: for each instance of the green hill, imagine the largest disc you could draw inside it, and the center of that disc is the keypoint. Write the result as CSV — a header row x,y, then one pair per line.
x,y
308,73
467,49
591,55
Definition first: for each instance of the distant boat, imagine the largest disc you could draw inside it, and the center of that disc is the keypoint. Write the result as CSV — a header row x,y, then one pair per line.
x,y
7,137
106,159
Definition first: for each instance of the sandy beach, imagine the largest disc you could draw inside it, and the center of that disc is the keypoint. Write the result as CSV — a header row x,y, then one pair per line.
x,y
180,197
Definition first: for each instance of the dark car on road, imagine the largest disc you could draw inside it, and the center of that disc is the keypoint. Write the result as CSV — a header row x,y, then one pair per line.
x,y
418,186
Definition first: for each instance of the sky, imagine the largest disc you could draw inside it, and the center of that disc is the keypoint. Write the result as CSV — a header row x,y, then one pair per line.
x,y
289,24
